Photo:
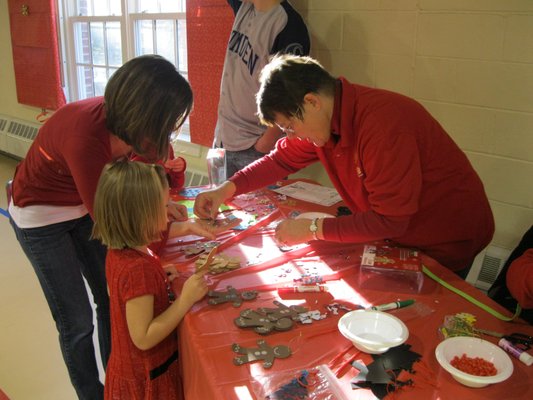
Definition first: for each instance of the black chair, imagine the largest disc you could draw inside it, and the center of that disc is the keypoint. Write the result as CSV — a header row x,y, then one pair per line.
x,y
499,292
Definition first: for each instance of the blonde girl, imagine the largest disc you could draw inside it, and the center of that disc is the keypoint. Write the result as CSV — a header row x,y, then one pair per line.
x,y
130,213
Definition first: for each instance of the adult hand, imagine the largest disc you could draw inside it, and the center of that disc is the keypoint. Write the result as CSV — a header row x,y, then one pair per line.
x,y
176,211
207,203
293,231
268,139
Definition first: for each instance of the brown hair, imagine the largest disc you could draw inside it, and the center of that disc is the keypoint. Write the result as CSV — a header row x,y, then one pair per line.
x,y
285,80
145,101
128,205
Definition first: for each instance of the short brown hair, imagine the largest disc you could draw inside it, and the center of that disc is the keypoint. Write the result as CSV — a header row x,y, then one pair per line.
x,y
285,81
128,205
145,101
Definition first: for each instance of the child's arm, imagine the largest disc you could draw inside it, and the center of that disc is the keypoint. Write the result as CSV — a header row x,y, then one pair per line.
x,y
205,228
147,331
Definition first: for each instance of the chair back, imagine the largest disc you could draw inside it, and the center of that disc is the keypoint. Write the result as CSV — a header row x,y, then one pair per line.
x,y
9,184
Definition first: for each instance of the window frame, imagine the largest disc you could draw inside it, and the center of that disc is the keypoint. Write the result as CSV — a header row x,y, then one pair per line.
x,y
127,23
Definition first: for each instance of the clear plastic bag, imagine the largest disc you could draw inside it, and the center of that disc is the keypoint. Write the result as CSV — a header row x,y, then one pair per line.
x,y
216,166
317,383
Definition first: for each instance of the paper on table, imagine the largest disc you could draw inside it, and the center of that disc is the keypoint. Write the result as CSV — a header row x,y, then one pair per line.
x,y
312,193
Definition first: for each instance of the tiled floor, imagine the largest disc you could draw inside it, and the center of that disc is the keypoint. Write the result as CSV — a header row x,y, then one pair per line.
x,y
31,366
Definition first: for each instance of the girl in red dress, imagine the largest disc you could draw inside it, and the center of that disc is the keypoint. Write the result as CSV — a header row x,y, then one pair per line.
x,y
130,213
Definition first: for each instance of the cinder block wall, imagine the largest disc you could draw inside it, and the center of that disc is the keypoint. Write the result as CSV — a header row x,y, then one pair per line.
x,y
469,62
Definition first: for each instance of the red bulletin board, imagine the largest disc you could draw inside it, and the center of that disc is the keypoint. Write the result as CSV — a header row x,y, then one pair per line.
x,y
34,40
209,24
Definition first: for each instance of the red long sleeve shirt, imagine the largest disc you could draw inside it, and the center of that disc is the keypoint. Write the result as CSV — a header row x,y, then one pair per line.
x,y
65,161
397,170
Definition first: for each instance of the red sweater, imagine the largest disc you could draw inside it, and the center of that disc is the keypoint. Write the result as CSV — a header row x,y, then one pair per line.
x,y
65,161
131,274
398,171
520,279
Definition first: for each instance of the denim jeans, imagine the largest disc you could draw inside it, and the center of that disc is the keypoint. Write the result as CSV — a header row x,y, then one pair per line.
x,y
237,160
60,254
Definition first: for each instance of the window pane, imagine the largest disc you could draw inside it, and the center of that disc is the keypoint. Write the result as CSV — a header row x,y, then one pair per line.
x,y
100,80
161,6
81,39
145,35
98,7
166,39
182,46
85,82
114,44
97,43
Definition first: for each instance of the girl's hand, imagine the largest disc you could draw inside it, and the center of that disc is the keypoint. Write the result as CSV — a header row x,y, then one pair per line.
x,y
171,271
177,212
205,228
177,164
194,289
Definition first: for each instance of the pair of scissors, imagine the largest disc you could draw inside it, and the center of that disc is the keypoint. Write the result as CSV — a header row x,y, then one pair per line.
x,y
520,340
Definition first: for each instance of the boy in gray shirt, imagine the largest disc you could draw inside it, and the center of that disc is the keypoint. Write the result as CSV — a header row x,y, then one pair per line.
x,y
261,28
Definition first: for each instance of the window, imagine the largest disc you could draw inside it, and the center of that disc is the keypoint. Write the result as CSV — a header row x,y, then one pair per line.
x,y
98,36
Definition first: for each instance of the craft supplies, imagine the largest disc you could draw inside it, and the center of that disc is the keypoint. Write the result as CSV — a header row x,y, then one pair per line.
x,y
391,268
520,340
303,289
473,347
474,365
392,306
230,295
516,352
206,263
219,263
461,324
262,352
265,320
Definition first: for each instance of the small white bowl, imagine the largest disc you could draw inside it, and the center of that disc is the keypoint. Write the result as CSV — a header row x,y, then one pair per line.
x,y
373,332
474,347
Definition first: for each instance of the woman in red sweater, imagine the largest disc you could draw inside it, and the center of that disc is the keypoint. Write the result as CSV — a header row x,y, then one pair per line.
x,y
53,191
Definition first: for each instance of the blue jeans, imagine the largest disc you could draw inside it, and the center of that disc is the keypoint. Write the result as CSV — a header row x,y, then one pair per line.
x,y
237,160
60,254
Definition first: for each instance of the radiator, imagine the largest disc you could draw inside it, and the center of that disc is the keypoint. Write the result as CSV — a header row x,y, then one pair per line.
x,y
16,136
486,267
195,178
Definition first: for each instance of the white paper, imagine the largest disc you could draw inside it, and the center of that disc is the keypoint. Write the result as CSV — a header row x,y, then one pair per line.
x,y
312,193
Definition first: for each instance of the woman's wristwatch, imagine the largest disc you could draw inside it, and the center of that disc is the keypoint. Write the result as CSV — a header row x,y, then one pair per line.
x,y
314,228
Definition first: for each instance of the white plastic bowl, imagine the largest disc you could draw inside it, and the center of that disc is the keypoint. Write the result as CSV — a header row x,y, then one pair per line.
x,y
474,347
373,332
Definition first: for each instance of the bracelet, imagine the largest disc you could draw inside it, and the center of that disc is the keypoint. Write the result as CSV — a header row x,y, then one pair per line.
x,y
314,228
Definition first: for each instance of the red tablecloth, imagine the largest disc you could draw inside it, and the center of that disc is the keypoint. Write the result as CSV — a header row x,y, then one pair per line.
x,y
207,333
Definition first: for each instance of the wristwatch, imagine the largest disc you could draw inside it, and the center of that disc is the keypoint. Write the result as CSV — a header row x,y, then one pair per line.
x,y
314,228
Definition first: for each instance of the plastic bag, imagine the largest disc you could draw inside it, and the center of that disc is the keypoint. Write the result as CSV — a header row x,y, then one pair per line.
x,y
317,383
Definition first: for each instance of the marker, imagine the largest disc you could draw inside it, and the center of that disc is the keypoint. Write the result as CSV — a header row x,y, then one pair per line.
x,y
303,289
392,306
